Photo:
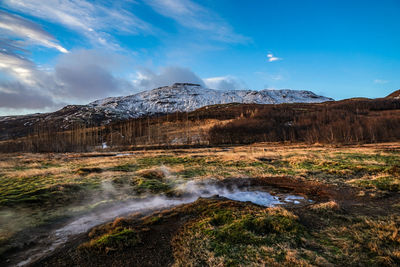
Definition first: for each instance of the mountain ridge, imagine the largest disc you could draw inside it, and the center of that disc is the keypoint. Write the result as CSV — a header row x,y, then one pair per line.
x,y
179,97
188,97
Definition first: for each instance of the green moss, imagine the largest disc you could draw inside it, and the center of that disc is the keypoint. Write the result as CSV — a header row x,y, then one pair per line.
x,y
153,220
49,164
237,236
118,239
168,160
193,172
151,185
86,171
127,167
221,218
387,183
152,175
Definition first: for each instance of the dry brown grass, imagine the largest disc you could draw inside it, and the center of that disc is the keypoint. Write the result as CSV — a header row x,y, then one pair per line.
x,y
330,205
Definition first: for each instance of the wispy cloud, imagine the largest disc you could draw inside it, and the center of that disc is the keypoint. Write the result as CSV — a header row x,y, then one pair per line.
x,y
92,19
272,58
23,86
192,15
379,81
18,67
272,77
224,83
15,26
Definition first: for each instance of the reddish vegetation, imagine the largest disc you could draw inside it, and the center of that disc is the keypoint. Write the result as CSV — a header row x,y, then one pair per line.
x,y
347,121
395,94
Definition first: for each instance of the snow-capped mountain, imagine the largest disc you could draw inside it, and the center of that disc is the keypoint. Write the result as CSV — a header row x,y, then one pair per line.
x,y
189,97
167,99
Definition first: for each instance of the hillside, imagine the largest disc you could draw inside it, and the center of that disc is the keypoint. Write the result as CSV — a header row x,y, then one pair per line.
x,y
334,122
394,95
179,97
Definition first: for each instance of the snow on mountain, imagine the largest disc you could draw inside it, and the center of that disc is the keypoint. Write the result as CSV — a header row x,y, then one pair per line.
x,y
178,97
188,97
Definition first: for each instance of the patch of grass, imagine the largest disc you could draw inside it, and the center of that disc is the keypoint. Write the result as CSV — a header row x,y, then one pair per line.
x,y
153,220
118,238
152,174
52,195
193,172
169,160
143,185
127,167
86,171
221,218
249,230
386,183
230,236
365,241
49,164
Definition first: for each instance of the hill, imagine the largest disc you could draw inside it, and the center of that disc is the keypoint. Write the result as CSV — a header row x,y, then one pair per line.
x,y
179,97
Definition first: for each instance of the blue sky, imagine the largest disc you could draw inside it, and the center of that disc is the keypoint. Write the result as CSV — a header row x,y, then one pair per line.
x,y
57,52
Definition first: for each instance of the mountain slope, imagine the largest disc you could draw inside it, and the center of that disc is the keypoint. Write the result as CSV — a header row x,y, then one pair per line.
x,y
189,97
167,99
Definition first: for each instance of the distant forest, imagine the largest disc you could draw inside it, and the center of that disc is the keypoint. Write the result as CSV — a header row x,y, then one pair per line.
x,y
342,122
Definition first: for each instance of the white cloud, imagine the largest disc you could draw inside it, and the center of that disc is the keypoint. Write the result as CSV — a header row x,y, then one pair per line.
x,y
78,77
91,19
86,75
272,58
16,26
224,83
18,67
379,81
192,15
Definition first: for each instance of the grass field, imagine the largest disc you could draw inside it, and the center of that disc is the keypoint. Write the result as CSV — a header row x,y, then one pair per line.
x,y
357,222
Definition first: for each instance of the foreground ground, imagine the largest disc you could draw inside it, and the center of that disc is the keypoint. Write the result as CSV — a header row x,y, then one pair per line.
x,y
353,220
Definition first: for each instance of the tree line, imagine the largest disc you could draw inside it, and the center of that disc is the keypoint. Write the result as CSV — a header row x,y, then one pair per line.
x,y
341,122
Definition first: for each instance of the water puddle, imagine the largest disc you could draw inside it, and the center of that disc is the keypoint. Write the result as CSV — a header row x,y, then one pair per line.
x,y
256,197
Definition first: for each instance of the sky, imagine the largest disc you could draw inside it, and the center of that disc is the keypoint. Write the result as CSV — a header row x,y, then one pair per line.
x,y
59,52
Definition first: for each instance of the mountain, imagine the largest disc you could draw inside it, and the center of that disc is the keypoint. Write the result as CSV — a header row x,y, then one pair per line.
x,y
189,97
167,99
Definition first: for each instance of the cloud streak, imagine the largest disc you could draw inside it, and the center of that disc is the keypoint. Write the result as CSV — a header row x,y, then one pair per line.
x,y
194,16
93,20
380,81
32,33
224,83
